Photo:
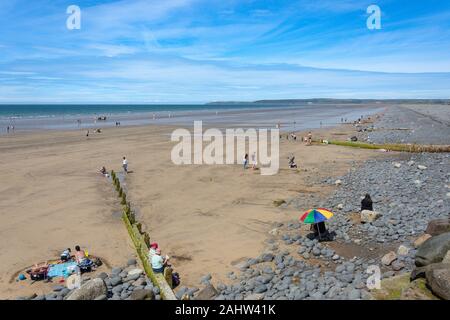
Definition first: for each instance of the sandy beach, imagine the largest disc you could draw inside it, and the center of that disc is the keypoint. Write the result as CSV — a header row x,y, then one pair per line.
x,y
207,218
210,219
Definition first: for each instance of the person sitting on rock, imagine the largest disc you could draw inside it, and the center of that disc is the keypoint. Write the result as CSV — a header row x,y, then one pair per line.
x,y
366,203
158,262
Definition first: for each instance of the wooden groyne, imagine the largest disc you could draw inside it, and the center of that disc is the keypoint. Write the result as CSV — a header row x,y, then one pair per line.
x,y
141,241
414,148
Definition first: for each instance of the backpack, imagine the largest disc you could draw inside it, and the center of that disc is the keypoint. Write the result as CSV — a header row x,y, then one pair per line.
x,y
175,279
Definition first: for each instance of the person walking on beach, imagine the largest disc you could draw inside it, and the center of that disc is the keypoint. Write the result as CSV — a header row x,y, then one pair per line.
x,y
254,162
367,203
125,164
245,161
309,141
87,134
7,129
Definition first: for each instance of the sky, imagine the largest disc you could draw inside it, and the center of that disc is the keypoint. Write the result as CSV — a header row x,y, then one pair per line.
x,y
195,51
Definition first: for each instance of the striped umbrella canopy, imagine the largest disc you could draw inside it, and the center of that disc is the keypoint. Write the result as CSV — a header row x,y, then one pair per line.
x,y
316,215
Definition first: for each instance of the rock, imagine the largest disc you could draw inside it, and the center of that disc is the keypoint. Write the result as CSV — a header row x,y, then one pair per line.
x,y
131,262
135,271
274,232
438,226
89,291
142,294
438,279
388,258
338,182
115,281
446,259
340,206
402,250
206,278
101,297
117,289
433,250
116,271
132,277
255,296
369,216
421,167
267,257
418,242
64,292
207,293
58,288
397,265
354,294
261,288
397,165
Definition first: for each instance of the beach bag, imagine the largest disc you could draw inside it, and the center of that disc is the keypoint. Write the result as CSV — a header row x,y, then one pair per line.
x,y
86,266
175,279
40,274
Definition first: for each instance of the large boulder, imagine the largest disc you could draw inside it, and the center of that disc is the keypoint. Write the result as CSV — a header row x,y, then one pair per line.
x,y
369,216
420,240
438,226
90,290
433,250
207,293
142,294
438,279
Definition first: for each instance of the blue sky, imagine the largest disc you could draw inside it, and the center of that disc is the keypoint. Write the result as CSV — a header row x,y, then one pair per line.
x,y
190,51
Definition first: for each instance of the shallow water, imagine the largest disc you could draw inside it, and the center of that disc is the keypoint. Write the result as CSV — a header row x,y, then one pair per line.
x,y
64,117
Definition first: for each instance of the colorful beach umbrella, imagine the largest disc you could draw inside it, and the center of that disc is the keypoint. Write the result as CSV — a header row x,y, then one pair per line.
x,y
313,216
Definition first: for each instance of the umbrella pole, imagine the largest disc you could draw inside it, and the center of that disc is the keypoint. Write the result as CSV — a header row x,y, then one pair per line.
x,y
318,229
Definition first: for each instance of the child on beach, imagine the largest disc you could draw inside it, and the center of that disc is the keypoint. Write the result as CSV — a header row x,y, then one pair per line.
x,y
245,161
125,164
66,255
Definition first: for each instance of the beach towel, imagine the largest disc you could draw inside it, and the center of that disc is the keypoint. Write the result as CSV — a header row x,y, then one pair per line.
x,y
61,269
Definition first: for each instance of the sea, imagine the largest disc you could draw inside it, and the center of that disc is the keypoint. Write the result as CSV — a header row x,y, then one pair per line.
x,y
71,117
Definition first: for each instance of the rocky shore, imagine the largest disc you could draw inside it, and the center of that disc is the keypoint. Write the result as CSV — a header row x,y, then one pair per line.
x,y
419,124
408,190
128,282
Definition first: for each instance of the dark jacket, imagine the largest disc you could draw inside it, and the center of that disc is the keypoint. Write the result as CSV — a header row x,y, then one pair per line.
x,y
367,204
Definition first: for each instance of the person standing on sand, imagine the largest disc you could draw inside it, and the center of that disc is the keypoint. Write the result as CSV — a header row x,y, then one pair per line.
x,y
87,134
254,162
245,161
7,129
125,164
309,138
